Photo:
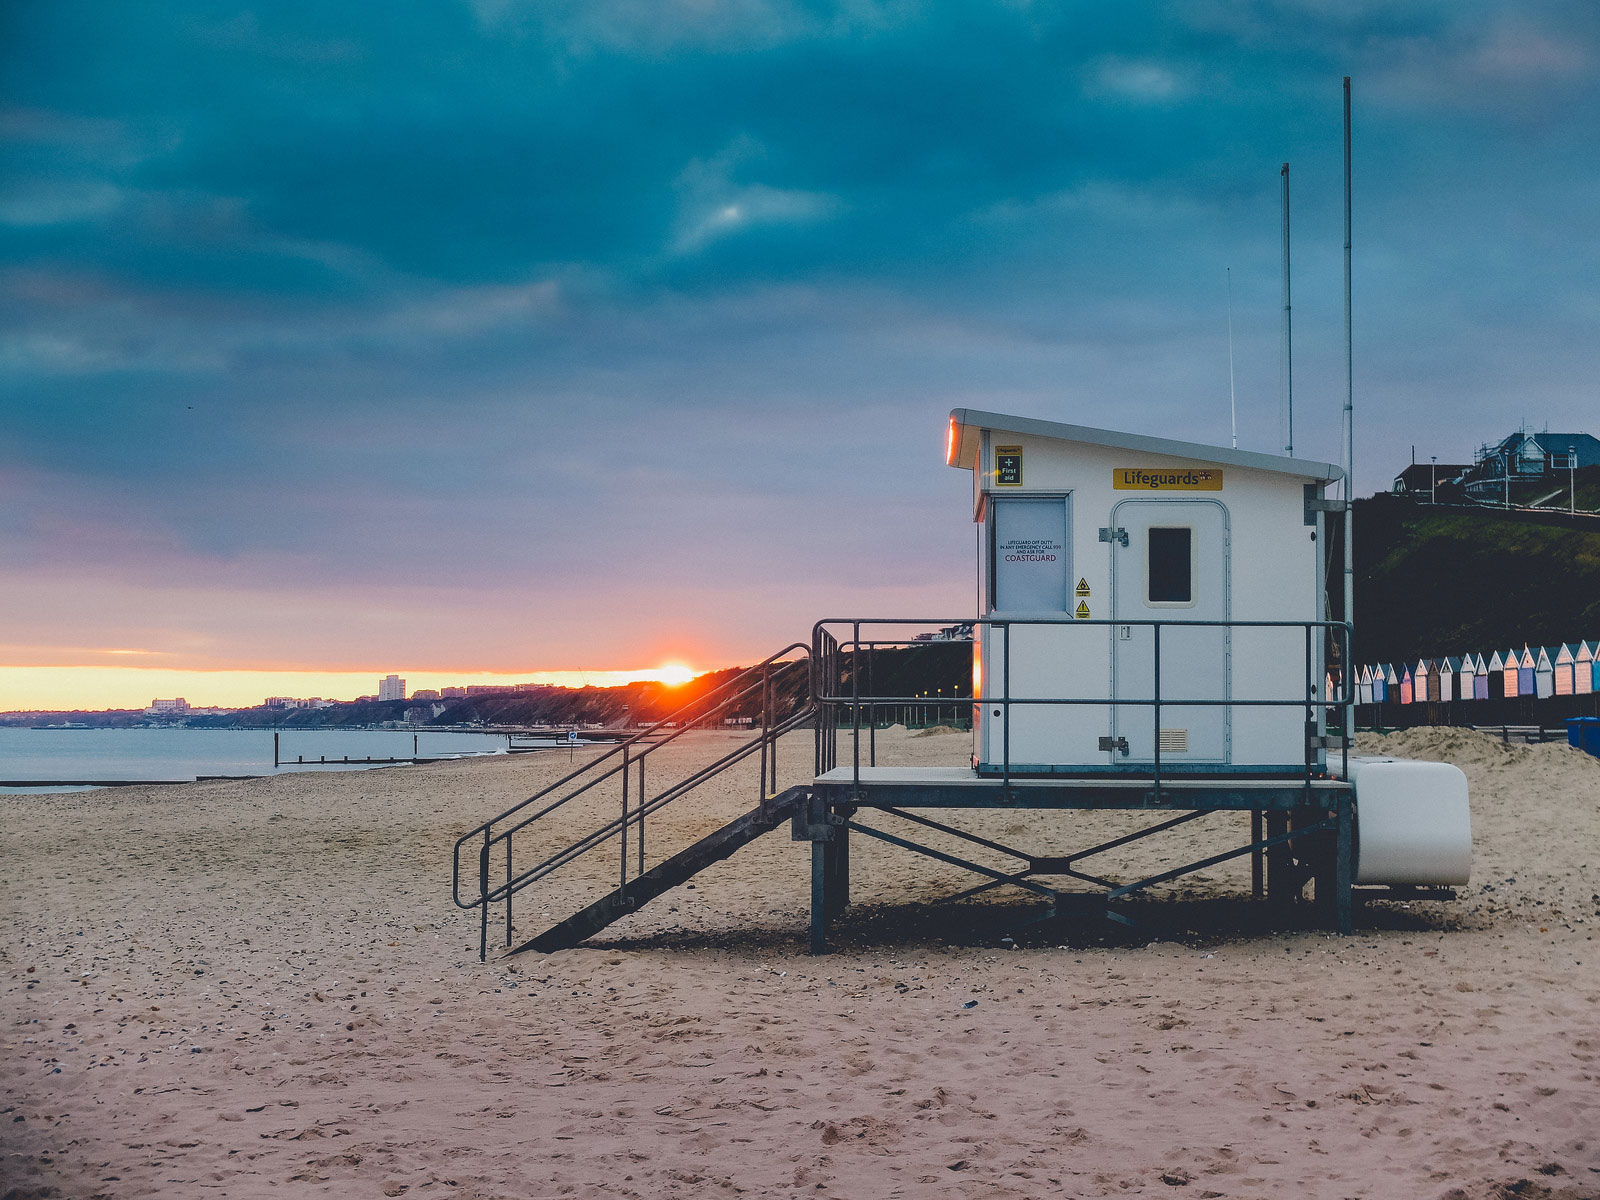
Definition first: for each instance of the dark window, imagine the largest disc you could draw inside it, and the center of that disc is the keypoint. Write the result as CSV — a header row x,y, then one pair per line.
x,y
1171,566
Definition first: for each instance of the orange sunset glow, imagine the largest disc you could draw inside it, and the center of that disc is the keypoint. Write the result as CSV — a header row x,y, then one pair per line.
x,y
72,688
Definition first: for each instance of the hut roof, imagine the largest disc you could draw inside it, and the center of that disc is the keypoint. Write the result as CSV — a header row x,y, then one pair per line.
x,y
966,424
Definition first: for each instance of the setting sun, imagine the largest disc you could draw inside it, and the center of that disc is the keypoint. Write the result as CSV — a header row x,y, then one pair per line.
x,y
674,674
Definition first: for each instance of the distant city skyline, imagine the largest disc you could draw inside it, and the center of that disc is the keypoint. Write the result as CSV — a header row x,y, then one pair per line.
x,y
516,340
93,688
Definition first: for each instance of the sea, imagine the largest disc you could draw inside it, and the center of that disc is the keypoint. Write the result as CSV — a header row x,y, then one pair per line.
x,y
57,760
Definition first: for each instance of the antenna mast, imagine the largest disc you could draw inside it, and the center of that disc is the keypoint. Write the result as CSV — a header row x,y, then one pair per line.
x,y
1349,390
1288,340
1233,407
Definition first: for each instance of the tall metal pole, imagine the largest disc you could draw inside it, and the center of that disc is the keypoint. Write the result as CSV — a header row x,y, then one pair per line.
x,y
1288,335
1233,407
1349,394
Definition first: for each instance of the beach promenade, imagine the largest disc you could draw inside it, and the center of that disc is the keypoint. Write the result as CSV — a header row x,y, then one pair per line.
x,y
261,988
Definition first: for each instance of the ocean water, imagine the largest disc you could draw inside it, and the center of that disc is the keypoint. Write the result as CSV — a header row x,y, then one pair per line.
x,y
85,755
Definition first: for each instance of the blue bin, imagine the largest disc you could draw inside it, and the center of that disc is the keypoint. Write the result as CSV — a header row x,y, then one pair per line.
x,y
1584,733
1589,739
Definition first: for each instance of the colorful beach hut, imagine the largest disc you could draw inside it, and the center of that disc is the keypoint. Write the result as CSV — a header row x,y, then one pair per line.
x,y
1512,675
1480,681
1449,672
1407,686
1544,674
1563,661
1364,685
1391,684
1466,677
1428,672
1583,670
1527,664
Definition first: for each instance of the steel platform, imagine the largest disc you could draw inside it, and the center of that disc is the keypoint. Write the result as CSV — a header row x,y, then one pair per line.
x,y
963,787
1306,811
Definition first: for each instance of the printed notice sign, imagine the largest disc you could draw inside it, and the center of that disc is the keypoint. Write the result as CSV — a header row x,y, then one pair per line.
x,y
1008,466
1167,479
1083,587
1029,550
1030,555
1082,612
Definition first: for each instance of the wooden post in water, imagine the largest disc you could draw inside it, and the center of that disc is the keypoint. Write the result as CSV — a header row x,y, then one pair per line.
x,y
274,749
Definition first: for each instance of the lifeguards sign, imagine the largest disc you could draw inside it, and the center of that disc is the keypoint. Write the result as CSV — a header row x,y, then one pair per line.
x,y
1167,479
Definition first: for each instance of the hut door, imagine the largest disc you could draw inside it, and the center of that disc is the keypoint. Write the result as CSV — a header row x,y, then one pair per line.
x,y
1174,568
1030,576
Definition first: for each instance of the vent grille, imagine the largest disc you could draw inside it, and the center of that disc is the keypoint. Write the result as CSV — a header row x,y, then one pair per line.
x,y
1174,741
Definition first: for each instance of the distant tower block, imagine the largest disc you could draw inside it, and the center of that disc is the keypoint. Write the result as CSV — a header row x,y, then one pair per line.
x,y
391,687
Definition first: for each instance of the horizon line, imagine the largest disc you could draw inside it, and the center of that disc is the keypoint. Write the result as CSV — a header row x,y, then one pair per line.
x,y
134,687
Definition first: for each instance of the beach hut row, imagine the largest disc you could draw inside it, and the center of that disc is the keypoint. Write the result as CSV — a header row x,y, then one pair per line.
x,y
1572,669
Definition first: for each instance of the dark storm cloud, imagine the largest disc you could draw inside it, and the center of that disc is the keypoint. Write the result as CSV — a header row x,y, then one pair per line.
x,y
612,291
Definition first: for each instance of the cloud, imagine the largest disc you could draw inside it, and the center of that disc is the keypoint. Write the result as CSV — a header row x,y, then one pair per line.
x,y
534,327
1139,81
713,205
46,202
654,27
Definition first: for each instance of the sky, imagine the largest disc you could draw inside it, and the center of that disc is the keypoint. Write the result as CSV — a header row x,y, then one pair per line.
x,y
507,337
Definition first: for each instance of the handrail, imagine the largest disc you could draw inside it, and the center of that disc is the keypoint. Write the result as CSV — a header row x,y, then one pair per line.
x,y
611,828
828,654
646,736
622,761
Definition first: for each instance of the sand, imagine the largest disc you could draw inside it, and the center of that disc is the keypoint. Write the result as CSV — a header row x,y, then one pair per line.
x,y
262,989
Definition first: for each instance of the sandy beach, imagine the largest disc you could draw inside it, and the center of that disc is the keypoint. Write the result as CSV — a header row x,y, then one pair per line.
x,y
261,988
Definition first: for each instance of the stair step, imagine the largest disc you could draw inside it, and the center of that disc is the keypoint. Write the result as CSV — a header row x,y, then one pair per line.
x,y
665,876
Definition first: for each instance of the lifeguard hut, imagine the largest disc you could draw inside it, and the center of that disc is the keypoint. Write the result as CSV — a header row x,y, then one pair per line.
x,y
1152,635
1146,601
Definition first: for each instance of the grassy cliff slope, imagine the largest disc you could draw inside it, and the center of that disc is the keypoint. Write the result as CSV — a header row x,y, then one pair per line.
x,y
1439,581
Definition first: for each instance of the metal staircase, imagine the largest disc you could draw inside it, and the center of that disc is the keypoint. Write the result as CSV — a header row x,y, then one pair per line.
x,y
680,868
774,694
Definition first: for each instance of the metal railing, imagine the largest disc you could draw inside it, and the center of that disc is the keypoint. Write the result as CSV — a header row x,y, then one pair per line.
x,y
625,763
837,660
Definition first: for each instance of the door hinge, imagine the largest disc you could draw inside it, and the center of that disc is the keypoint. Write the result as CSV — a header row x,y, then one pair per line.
x,y
1108,534
1115,743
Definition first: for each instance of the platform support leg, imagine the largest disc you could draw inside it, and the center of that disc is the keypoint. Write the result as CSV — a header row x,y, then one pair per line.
x,y
1257,865
1343,875
819,897
838,868
1282,879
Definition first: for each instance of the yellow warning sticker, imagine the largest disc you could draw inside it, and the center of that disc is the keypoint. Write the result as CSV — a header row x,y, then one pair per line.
x,y
1083,587
1082,612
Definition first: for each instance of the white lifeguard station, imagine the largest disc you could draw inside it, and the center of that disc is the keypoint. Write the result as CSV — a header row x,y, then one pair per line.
x,y
1152,635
